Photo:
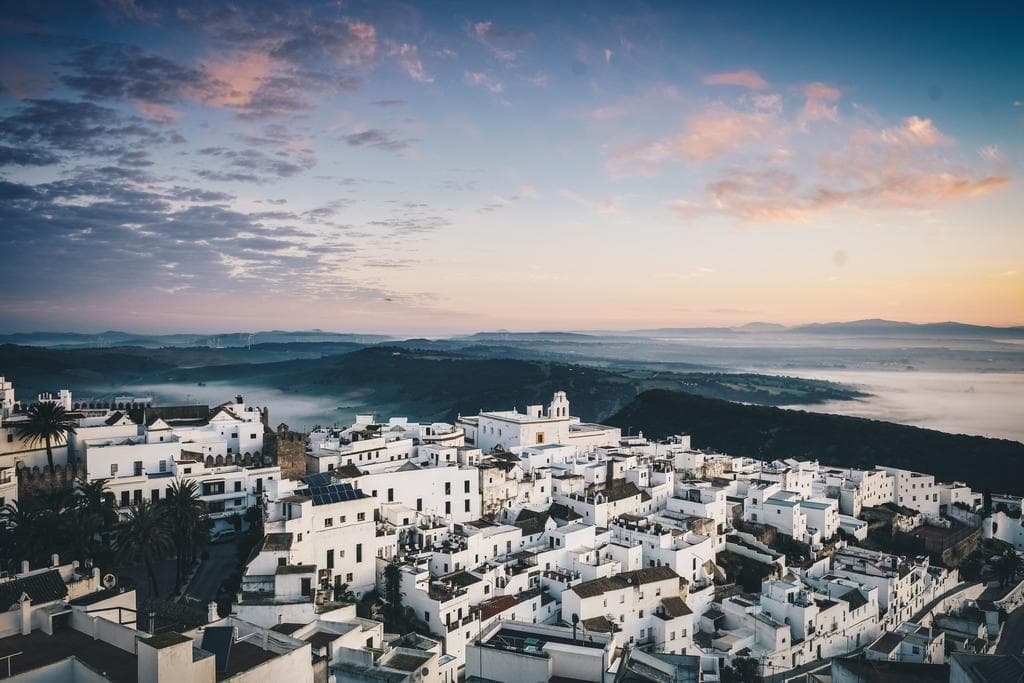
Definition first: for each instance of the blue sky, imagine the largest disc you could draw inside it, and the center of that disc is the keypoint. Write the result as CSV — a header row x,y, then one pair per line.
x,y
431,168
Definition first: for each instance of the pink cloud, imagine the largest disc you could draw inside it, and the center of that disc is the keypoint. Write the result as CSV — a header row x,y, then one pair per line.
x,y
820,102
746,78
707,136
915,132
235,81
408,58
157,112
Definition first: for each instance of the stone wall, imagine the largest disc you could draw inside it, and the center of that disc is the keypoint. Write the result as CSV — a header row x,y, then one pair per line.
x,y
288,450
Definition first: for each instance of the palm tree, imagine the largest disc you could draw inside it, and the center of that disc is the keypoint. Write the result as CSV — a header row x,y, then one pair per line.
x,y
48,424
94,498
144,535
187,518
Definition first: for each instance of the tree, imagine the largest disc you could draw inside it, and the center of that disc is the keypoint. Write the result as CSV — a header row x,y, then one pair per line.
x,y
1007,568
94,498
144,535
48,424
393,593
187,517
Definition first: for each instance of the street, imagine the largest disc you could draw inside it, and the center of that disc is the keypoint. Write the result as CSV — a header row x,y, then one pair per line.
x,y
212,571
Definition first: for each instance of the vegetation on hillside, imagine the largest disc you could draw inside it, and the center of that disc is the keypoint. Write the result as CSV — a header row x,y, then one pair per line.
x,y
768,433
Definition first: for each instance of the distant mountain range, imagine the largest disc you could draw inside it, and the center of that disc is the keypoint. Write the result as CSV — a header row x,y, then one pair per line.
x,y
874,327
115,338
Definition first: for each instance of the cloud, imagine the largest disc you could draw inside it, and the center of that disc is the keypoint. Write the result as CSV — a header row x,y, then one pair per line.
x,y
504,44
117,71
707,136
820,102
600,206
236,81
483,80
915,132
379,139
692,274
45,130
388,103
157,112
608,56
19,156
744,79
408,59
252,165
991,153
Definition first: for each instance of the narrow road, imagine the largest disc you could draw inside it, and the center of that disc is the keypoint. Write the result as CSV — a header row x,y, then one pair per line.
x,y
212,572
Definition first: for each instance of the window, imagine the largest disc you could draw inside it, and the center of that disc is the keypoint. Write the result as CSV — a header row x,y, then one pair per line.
x,y
448,507
282,561
328,522
252,436
341,519
137,467
391,495
238,502
113,469
348,577
163,465
238,486
188,470
540,437
234,435
467,505
360,516
359,552
330,559
10,437
447,488
307,586
137,495
465,486
154,495
125,498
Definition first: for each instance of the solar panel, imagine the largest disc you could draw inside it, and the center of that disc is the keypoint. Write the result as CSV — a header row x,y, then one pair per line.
x,y
319,479
218,639
332,493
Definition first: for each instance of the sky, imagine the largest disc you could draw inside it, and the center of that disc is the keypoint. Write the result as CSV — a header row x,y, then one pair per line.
x,y
433,168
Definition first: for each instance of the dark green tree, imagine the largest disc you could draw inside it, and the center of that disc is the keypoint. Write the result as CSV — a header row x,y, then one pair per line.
x,y
187,518
393,611
47,424
145,535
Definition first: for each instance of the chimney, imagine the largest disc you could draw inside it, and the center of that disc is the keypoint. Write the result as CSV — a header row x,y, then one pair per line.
x,y
211,613
55,560
152,623
96,577
25,567
26,616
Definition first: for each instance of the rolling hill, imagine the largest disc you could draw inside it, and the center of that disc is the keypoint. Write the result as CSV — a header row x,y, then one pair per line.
x,y
769,433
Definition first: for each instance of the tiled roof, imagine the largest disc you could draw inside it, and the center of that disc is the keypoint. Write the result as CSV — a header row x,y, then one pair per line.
x,y
855,599
887,643
490,608
40,588
589,589
675,607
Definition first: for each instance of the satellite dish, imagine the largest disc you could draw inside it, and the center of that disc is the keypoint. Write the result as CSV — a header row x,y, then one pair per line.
x,y
109,581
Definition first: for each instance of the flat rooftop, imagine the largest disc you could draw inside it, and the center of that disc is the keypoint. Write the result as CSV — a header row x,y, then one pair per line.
x,y
38,650
512,638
